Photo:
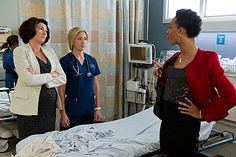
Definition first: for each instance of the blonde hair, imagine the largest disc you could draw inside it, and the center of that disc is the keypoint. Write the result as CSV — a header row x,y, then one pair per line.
x,y
72,34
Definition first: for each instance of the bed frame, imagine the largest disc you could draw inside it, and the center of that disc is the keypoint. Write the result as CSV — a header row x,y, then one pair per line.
x,y
5,116
216,138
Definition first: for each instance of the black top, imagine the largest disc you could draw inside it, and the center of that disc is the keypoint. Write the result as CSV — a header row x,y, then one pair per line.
x,y
176,87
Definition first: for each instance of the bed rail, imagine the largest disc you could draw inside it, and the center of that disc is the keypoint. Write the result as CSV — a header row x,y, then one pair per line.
x,y
216,138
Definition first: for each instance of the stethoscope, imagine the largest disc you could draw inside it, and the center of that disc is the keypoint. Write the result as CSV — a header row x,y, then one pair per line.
x,y
77,68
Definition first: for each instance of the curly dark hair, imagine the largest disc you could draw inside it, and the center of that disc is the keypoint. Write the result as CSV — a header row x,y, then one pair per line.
x,y
27,29
189,20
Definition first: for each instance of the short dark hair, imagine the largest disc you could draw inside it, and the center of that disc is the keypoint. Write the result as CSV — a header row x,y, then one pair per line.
x,y
27,29
189,20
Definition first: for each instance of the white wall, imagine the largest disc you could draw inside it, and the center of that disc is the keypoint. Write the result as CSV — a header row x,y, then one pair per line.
x,y
9,14
8,17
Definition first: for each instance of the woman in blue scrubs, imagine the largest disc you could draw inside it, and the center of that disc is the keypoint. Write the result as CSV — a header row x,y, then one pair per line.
x,y
8,63
80,96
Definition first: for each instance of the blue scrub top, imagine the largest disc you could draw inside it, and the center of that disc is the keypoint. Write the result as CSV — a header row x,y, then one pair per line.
x,y
79,87
8,64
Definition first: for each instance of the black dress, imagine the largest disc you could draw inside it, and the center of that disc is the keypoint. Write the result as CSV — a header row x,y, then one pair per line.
x,y
179,132
45,120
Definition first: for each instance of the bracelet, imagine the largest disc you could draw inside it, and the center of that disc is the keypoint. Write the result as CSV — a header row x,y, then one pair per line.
x,y
97,108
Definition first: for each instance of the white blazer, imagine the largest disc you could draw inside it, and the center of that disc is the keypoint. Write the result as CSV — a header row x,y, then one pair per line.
x,y
26,93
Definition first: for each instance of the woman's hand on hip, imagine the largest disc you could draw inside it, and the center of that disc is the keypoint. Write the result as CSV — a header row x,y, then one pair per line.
x,y
190,109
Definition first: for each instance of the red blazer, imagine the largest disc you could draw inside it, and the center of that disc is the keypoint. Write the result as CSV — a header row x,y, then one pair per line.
x,y
212,91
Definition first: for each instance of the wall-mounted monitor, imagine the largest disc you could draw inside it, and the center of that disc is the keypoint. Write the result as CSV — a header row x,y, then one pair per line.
x,y
140,53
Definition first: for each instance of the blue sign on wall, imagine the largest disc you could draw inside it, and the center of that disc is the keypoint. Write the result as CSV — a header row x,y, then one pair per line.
x,y
220,40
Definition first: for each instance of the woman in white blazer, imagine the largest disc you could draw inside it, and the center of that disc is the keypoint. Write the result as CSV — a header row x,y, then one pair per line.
x,y
35,96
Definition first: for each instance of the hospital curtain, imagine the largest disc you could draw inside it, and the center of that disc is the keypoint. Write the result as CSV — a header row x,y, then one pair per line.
x,y
111,25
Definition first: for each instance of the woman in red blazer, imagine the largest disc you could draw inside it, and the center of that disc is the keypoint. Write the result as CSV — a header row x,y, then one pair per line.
x,y
195,88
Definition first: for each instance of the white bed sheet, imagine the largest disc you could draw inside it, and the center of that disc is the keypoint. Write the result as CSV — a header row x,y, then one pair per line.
x,y
135,135
4,102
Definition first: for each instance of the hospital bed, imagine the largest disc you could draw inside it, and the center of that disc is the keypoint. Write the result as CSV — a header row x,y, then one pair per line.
x,y
5,117
136,135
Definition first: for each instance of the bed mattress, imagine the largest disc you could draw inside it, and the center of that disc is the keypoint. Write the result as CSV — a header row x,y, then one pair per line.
x,y
135,135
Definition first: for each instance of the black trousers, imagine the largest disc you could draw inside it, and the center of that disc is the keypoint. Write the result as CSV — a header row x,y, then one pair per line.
x,y
179,133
